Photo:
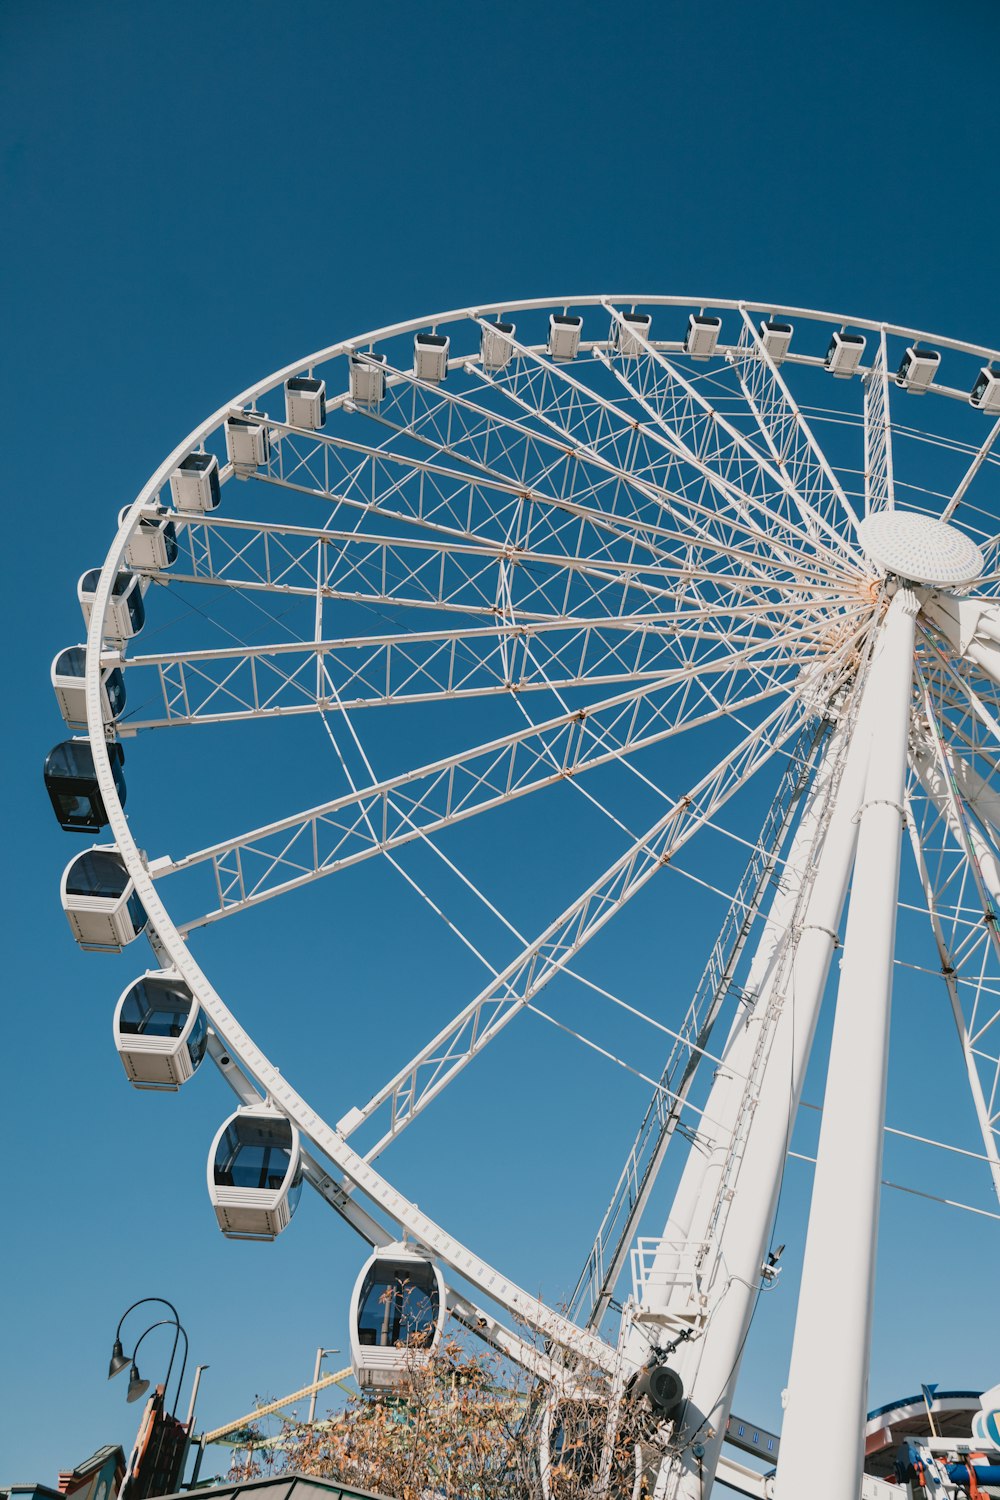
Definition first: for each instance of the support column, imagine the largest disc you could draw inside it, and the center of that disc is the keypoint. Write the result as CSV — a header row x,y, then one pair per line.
x,y
822,1437
709,1366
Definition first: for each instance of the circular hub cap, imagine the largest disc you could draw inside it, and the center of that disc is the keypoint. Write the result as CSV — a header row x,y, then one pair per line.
x,y
920,549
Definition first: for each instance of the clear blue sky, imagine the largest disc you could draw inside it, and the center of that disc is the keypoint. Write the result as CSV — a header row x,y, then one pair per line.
x,y
194,195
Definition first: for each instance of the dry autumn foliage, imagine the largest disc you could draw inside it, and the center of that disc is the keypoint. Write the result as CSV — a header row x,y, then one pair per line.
x,y
462,1425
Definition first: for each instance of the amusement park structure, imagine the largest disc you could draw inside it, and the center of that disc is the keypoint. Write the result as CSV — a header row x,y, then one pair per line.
x,y
599,549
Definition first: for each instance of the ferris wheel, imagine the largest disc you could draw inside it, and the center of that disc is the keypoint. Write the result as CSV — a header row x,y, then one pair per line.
x,y
635,576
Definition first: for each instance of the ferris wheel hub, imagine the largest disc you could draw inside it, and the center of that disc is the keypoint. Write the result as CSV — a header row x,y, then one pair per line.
x,y
920,549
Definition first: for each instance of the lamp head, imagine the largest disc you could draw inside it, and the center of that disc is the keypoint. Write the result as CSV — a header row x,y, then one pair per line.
x,y
118,1360
136,1387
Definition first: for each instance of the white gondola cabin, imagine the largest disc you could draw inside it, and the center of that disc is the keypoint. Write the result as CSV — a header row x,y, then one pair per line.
x,y
570,1438
629,333
430,356
68,674
917,369
305,402
255,1173
248,444
702,335
160,1031
844,354
194,484
126,610
985,394
776,337
495,352
367,381
397,1315
71,782
100,901
153,543
564,335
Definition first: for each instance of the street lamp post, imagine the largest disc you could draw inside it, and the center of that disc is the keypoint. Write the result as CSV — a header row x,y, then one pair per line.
x,y
320,1356
119,1359
137,1387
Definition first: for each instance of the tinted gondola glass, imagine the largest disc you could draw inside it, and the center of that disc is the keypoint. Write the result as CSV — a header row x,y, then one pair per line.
x,y
154,1007
98,872
255,1173
71,782
399,1304
160,1032
101,904
126,612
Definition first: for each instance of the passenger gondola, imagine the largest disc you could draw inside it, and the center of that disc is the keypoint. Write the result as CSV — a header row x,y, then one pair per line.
x,y
255,1173
570,1436
430,356
153,543
564,335
844,354
495,349
248,443
160,1031
68,676
397,1315
194,484
917,369
305,402
631,332
367,379
71,782
985,394
775,338
100,901
702,335
126,610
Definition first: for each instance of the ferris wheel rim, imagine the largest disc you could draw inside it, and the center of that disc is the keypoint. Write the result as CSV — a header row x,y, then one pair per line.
x,y
168,934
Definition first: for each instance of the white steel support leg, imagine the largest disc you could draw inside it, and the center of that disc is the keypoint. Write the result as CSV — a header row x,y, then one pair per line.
x,y
822,1438
790,993
703,1165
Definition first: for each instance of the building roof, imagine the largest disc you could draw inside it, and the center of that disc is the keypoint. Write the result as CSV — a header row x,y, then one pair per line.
x,y
292,1486
92,1464
30,1489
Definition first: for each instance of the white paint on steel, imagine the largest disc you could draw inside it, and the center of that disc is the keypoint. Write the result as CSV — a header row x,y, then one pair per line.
x,y
727,1199
828,1377
920,549
815,939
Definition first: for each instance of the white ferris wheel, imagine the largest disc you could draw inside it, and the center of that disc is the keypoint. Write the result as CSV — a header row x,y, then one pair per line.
x,y
634,577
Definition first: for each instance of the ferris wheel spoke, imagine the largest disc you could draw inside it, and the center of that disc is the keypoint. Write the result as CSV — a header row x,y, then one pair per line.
x,y
341,564
697,443
488,509
425,1076
959,865
280,856
604,444
708,442
463,501
601,433
289,677
730,534
441,666
970,965
383,571
978,460
880,491
790,439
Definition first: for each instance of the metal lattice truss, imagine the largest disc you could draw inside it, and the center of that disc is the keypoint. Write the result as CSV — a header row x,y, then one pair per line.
x,y
955,803
622,549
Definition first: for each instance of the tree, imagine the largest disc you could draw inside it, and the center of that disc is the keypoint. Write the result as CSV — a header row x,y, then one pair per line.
x,y
461,1424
